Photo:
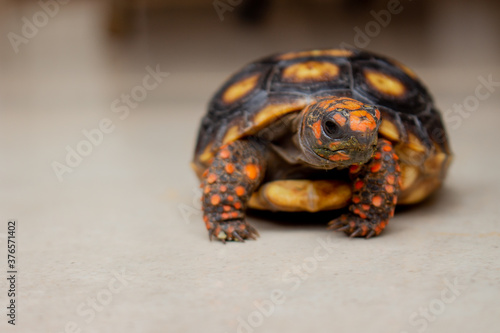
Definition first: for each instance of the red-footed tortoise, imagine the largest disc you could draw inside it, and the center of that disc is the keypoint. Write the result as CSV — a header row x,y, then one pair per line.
x,y
319,130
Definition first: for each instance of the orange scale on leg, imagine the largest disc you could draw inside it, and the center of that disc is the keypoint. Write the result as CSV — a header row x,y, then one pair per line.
x,y
359,185
211,178
229,168
252,171
365,207
377,201
215,199
237,205
225,153
223,188
376,167
240,191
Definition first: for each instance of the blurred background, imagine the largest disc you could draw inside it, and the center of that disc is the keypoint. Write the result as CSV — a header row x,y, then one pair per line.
x,y
67,65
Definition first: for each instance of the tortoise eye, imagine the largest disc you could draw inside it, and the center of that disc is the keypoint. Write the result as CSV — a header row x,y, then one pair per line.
x,y
331,128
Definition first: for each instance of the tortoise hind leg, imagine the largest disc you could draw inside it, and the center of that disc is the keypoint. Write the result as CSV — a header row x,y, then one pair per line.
x,y
235,173
376,186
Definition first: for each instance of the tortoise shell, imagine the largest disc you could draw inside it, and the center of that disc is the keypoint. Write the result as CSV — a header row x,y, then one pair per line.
x,y
283,84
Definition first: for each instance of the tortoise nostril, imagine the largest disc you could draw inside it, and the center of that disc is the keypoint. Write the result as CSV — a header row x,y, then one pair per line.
x,y
331,128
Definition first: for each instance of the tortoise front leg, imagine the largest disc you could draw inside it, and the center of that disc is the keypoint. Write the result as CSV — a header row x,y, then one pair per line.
x,y
235,173
375,194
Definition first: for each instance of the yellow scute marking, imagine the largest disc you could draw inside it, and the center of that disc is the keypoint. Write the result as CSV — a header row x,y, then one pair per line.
x,y
384,83
232,134
207,154
415,144
389,130
316,53
311,71
409,175
274,111
239,89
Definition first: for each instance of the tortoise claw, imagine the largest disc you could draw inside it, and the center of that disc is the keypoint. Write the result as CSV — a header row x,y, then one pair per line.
x,y
355,226
233,230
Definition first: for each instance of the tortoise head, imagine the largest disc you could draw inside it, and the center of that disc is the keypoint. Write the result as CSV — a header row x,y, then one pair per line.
x,y
337,132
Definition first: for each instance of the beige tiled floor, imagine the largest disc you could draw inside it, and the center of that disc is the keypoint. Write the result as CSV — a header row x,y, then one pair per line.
x,y
130,208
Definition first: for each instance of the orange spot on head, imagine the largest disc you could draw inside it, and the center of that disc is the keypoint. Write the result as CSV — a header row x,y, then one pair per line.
x,y
240,190
365,207
395,200
377,155
340,119
225,153
211,178
229,168
387,148
376,167
359,185
252,171
227,208
225,216
395,157
230,198
234,215
377,201
390,179
362,121
237,205
206,190
205,173
389,188
317,129
354,168
356,200
377,113
223,188
339,156
351,104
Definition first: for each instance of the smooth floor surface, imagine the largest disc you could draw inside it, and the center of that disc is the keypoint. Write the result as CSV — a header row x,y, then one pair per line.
x,y
117,244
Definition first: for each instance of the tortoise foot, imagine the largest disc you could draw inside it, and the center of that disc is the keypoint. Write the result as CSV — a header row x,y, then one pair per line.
x,y
355,226
233,230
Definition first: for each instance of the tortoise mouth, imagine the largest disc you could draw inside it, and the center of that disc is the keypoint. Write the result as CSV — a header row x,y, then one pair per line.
x,y
344,155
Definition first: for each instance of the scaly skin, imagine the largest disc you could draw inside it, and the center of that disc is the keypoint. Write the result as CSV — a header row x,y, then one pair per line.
x,y
236,171
376,186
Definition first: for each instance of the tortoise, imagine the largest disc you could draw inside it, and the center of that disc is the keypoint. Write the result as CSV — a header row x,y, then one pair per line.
x,y
319,130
